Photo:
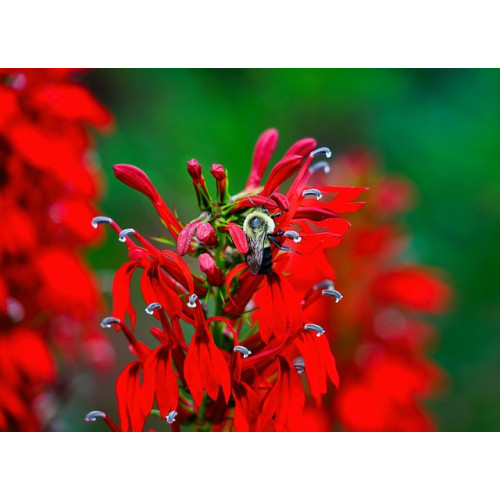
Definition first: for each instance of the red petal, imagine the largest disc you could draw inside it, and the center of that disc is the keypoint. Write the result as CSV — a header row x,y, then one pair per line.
x,y
239,238
302,147
186,236
282,171
121,293
264,149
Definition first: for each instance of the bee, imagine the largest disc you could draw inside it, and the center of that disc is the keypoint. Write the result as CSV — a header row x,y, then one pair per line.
x,y
259,229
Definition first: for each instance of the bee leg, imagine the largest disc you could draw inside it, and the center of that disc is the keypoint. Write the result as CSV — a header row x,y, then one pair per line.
x,y
277,233
273,240
277,214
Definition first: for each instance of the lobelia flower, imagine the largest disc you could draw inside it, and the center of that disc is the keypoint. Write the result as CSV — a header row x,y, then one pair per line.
x,y
49,299
251,320
381,333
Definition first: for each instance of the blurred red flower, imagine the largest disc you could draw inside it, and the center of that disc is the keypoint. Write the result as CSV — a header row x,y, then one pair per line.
x,y
48,184
381,333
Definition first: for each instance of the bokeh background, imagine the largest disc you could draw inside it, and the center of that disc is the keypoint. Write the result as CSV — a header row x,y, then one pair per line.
x,y
439,128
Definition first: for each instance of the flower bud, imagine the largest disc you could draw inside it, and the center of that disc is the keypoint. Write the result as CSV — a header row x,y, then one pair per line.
x,y
208,266
206,234
135,178
194,170
220,176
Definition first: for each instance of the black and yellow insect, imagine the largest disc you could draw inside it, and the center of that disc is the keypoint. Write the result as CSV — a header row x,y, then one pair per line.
x,y
259,229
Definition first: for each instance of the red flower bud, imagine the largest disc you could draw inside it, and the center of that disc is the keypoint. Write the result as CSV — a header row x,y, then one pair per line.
x,y
194,170
220,175
135,178
206,234
208,266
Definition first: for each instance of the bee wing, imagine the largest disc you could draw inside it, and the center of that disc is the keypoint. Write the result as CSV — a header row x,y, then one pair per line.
x,y
255,252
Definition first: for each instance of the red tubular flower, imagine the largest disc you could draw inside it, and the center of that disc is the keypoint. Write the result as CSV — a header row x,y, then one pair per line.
x,y
241,368
50,300
205,366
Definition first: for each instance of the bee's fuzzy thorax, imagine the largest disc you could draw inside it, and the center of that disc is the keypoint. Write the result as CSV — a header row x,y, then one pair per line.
x,y
259,213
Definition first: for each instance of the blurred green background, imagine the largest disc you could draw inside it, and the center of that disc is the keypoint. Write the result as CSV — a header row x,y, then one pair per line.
x,y
439,128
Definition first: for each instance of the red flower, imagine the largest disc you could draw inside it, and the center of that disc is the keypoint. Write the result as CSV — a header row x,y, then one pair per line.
x,y
239,368
49,300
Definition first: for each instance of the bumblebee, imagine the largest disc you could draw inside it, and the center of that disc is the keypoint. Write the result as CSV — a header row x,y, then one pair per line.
x,y
259,229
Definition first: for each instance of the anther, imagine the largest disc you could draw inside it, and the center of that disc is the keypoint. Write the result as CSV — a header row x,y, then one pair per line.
x,y
171,417
333,293
315,328
323,284
319,151
101,219
292,234
92,416
321,165
300,365
109,321
151,307
243,350
192,301
313,192
126,232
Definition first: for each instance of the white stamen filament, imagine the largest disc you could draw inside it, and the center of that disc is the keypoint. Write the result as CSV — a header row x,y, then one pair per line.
x,y
243,350
92,416
299,365
333,293
292,234
324,150
315,328
126,232
171,417
151,307
313,192
192,301
101,219
109,321
321,165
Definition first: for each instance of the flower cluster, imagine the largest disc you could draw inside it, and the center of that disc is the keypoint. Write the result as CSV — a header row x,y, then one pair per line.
x,y
381,334
48,297
235,344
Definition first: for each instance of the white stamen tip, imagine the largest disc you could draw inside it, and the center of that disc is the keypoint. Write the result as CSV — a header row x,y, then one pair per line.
x,y
300,365
313,192
323,284
92,416
101,219
151,307
320,151
109,321
243,350
192,301
294,235
126,232
321,165
333,293
171,417
315,328
14,309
